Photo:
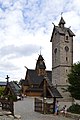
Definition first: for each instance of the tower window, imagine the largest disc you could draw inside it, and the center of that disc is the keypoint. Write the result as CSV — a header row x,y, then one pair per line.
x,y
66,71
55,51
66,58
66,48
66,81
66,37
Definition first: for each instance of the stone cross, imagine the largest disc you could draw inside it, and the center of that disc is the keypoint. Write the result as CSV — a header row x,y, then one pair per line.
x,y
7,78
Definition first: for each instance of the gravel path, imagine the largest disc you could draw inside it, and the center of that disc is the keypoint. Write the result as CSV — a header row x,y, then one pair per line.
x,y
25,108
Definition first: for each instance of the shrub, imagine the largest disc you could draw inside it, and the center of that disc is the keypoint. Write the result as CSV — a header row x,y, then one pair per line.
x,y
2,91
75,108
12,97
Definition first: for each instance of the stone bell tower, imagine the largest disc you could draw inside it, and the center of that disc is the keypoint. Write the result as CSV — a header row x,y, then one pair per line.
x,y
62,54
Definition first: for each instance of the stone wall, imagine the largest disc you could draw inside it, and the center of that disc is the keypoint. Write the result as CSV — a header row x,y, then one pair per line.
x,y
73,116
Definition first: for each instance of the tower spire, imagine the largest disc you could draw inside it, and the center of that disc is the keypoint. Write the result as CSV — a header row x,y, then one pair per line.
x,y
62,22
40,50
61,14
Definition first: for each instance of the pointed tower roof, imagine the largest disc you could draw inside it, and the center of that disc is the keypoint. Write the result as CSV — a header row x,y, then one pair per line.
x,y
40,58
40,64
61,29
61,21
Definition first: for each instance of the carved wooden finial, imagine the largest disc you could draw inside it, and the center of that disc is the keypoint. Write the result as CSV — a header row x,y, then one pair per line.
x,y
61,14
25,67
53,23
40,50
69,27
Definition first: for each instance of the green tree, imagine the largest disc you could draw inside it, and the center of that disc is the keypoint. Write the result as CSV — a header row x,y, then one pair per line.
x,y
2,91
74,81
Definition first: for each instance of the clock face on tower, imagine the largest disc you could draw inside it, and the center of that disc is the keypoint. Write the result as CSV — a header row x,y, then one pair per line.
x,y
66,48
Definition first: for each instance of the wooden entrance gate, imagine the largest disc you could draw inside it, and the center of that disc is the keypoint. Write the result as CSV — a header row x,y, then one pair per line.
x,y
40,106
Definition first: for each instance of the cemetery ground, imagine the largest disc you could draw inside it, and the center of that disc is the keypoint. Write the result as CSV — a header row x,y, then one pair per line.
x,y
24,110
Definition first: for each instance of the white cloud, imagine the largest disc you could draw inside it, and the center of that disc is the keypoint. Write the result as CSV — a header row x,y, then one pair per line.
x,y
28,23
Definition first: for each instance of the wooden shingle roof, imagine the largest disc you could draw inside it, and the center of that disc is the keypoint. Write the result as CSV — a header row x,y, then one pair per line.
x,y
13,88
34,78
52,90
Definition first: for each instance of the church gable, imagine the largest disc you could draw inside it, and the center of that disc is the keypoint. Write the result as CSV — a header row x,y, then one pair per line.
x,y
12,90
49,89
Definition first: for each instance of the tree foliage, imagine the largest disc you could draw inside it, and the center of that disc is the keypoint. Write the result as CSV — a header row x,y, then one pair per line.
x,y
74,81
2,91
75,108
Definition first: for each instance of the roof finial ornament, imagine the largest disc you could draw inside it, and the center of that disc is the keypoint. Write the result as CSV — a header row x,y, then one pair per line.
x,y
25,67
61,14
62,22
53,23
69,27
40,50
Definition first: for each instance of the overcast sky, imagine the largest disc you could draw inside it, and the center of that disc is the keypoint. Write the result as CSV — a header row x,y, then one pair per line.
x,y
25,30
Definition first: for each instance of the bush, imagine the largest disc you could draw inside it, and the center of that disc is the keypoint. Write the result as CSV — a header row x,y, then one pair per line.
x,y
2,91
75,108
12,97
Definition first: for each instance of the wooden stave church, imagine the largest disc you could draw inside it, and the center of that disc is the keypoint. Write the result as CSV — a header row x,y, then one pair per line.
x,y
33,84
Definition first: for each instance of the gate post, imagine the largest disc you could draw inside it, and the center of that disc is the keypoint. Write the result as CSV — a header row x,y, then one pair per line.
x,y
44,96
54,102
12,107
44,105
